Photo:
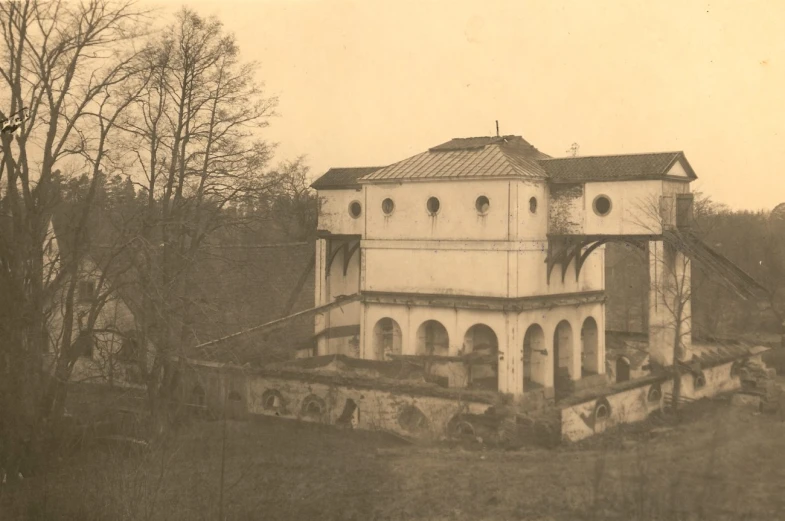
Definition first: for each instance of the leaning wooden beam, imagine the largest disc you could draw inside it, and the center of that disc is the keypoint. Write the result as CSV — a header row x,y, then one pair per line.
x,y
270,326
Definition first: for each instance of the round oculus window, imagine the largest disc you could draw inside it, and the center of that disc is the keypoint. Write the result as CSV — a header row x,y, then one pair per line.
x,y
482,204
602,205
533,205
388,206
433,205
355,209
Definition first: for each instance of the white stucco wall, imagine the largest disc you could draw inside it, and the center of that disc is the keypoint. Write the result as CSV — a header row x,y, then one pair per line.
x,y
334,215
457,218
634,208
509,328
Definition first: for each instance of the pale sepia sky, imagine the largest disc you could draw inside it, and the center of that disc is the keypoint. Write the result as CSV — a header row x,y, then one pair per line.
x,y
364,83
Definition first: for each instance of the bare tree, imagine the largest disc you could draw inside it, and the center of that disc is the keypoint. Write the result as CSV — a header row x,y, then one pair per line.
x,y
60,60
195,139
670,283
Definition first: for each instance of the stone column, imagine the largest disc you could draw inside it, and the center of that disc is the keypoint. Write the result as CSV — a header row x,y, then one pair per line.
x,y
669,288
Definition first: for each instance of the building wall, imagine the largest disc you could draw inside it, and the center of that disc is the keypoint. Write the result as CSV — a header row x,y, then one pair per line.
x,y
457,218
509,327
634,208
532,273
335,335
442,268
334,213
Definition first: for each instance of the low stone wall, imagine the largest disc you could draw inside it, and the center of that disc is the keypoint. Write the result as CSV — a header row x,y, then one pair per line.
x,y
404,412
627,405
636,400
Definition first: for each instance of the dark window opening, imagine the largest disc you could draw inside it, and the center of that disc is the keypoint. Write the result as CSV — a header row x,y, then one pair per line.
x,y
482,204
86,291
684,204
433,205
699,381
84,344
355,209
129,349
602,205
622,369
350,415
388,206
533,205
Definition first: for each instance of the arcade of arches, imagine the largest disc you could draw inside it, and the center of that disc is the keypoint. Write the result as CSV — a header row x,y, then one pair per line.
x,y
571,358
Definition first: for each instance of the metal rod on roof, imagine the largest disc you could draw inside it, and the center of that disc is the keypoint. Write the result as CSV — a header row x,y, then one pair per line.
x,y
497,128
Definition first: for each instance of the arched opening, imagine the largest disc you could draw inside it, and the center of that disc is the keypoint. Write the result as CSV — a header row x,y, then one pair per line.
x,y
589,348
622,369
535,358
563,358
432,339
272,400
313,407
386,338
412,420
481,341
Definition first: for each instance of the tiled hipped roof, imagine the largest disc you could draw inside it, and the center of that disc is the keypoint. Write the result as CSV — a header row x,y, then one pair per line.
x,y
506,157
613,168
466,158
338,178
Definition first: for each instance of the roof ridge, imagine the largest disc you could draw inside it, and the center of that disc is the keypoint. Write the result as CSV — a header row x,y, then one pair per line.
x,y
675,152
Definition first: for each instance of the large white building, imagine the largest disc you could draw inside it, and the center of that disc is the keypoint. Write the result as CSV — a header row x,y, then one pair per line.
x,y
484,259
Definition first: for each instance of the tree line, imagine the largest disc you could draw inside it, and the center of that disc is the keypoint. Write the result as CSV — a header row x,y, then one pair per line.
x,y
136,146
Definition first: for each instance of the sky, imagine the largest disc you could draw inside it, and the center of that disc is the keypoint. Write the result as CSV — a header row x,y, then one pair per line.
x,y
367,83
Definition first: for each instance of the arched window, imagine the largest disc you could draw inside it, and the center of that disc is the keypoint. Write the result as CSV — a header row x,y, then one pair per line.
x,y
432,339
589,347
481,339
535,357
563,358
386,338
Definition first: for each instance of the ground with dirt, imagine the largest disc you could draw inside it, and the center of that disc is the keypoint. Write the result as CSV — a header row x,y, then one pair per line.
x,y
719,462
